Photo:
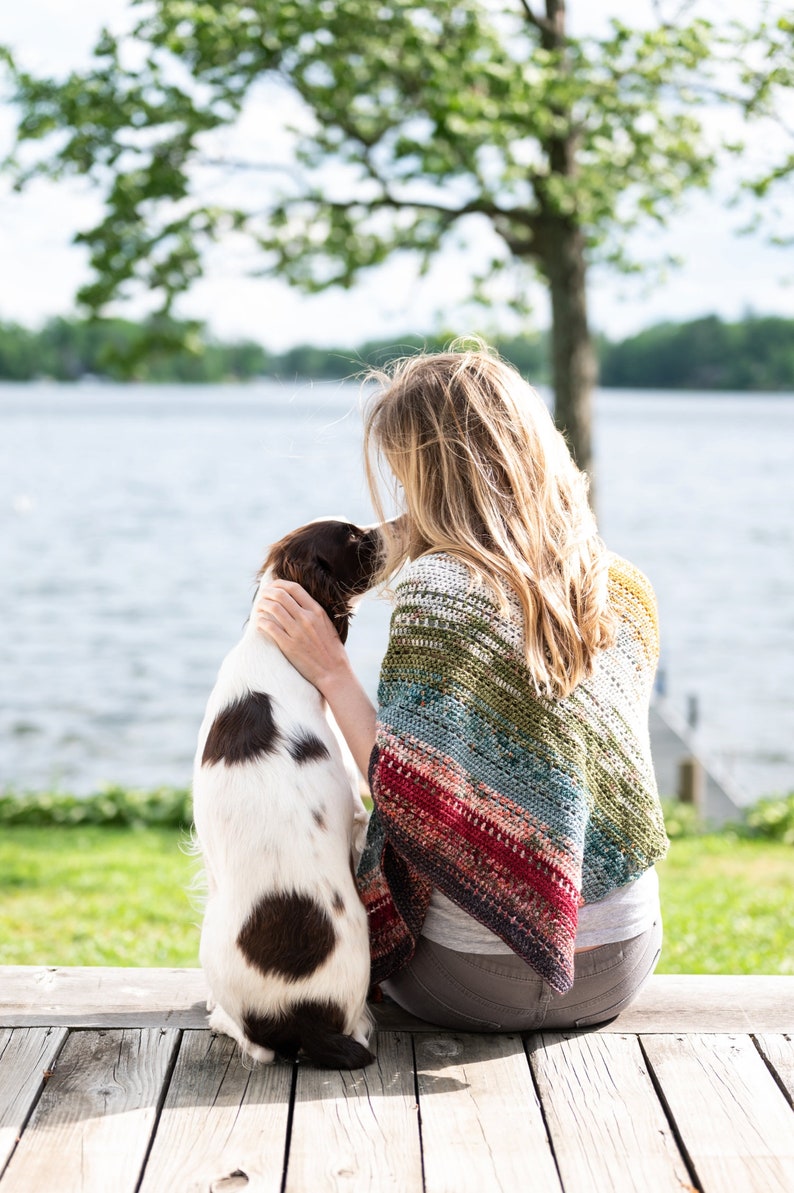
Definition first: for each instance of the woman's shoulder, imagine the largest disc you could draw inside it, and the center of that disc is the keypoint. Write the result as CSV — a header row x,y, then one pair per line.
x,y
436,571
442,581
626,577
632,597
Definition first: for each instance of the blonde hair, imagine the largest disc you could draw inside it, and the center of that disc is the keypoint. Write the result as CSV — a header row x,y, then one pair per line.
x,y
486,476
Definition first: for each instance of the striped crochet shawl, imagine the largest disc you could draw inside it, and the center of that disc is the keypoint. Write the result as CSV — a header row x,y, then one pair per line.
x,y
518,807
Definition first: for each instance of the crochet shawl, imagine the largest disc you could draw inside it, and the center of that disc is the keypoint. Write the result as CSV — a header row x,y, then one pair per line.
x,y
516,806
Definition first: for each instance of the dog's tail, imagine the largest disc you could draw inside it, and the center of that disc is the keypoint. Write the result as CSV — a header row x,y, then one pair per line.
x,y
314,1028
334,1050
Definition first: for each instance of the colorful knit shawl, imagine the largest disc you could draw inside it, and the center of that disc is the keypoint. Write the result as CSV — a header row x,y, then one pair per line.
x,y
518,807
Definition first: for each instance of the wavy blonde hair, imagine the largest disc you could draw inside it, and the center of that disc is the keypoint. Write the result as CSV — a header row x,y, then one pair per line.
x,y
483,473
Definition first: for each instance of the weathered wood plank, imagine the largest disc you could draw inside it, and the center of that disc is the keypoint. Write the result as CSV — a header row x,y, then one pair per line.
x,y
778,1051
26,1057
94,1119
607,1128
481,1122
358,1130
719,1003
732,1118
223,1125
37,996
96,997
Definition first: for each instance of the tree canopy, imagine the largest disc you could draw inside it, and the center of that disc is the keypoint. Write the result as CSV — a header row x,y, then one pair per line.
x,y
411,124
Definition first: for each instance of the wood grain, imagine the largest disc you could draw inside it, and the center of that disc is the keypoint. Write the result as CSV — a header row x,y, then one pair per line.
x,y
708,1100
26,1059
93,1122
481,1123
606,1126
223,1125
718,1003
97,996
732,1118
358,1130
42,996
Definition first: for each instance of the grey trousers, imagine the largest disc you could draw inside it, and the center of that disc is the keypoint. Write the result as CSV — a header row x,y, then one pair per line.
x,y
499,992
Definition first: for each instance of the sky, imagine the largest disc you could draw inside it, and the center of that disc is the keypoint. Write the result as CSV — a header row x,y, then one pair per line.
x,y
40,269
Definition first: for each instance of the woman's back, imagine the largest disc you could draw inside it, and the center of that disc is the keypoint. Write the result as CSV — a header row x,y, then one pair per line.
x,y
514,804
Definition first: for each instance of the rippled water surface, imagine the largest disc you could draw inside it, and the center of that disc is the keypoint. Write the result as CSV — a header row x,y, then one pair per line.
x,y
133,520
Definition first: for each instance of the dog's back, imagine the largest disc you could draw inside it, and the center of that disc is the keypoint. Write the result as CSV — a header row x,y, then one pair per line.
x,y
284,942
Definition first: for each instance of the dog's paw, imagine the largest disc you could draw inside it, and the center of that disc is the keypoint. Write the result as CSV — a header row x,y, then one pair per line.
x,y
211,1005
223,1025
265,1056
360,826
363,1030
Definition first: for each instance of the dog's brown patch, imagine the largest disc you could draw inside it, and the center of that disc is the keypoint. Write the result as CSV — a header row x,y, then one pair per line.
x,y
307,747
288,934
244,730
338,903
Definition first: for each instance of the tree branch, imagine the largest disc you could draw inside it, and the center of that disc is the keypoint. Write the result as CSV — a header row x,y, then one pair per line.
x,y
474,207
675,21
539,22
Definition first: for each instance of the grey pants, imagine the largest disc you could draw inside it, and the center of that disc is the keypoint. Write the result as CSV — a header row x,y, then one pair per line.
x,y
499,992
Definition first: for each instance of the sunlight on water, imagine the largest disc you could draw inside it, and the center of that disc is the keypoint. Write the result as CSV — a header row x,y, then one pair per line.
x,y
134,520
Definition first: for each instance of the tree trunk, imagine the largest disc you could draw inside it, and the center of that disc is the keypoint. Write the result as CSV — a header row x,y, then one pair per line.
x,y
561,254
573,353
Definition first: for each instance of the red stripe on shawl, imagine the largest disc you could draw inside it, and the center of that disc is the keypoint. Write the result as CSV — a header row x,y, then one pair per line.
x,y
410,785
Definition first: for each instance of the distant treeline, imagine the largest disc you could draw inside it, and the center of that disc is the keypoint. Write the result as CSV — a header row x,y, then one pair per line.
x,y
756,353
167,350
162,350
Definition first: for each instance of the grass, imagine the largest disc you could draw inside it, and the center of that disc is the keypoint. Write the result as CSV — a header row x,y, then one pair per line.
x,y
96,896
109,896
728,906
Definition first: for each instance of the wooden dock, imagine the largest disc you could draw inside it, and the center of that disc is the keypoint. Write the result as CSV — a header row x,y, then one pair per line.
x,y
110,1082
672,742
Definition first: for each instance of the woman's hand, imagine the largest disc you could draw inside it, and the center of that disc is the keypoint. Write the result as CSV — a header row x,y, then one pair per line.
x,y
303,631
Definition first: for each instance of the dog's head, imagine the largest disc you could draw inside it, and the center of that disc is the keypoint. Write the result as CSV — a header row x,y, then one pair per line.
x,y
335,561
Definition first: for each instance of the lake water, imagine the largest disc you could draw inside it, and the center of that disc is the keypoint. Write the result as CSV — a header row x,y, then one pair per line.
x,y
133,520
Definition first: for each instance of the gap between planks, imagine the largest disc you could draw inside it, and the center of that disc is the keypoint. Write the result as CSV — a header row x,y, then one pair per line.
x,y
443,1112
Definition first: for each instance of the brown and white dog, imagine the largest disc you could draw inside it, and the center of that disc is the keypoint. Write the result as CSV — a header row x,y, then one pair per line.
x,y
280,824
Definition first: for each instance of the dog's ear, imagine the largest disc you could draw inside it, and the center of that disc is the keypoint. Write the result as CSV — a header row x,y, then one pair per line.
x,y
296,557
311,573
272,559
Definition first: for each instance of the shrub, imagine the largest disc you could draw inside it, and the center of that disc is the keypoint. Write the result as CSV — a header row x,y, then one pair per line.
x,y
772,818
681,820
113,806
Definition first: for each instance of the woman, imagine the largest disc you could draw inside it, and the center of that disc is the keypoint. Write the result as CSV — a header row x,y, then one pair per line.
x,y
508,874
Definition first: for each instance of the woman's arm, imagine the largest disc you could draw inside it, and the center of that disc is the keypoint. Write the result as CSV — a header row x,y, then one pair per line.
x,y
305,635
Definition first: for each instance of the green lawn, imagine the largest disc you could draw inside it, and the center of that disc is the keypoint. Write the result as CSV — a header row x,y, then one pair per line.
x,y
107,896
96,896
728,906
